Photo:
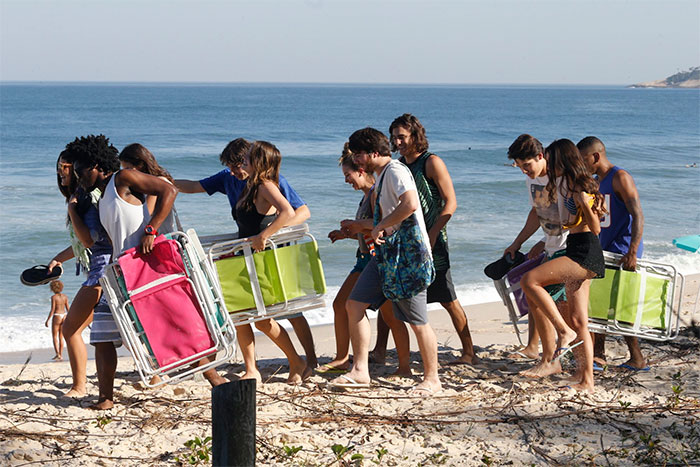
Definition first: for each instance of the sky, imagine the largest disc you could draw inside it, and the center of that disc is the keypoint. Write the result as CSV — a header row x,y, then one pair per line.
x,y
317,41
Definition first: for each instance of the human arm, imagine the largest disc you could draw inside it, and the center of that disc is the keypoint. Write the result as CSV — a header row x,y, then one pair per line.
x,y
436,170
271,194
58,260
149,185
301,214
189,186
582,200
54,309
408,204
532,223
535,251
625,189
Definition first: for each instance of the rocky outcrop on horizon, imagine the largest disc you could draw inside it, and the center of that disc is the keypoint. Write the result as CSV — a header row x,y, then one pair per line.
x,y
682,79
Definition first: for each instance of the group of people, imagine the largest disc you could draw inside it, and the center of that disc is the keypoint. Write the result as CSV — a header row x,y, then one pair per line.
x,y
121,200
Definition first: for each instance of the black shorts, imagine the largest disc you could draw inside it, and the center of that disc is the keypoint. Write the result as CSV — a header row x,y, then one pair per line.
x,y
584,248
442,290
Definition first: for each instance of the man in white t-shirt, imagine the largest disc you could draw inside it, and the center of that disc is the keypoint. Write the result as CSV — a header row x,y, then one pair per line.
x,y
528,154
398,200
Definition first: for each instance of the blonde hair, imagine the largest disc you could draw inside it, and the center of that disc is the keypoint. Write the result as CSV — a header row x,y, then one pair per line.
x,y
56,286
265,159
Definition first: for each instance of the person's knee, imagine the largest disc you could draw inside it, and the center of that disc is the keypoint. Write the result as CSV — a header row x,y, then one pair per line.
x,y
354,308
528,282
264,326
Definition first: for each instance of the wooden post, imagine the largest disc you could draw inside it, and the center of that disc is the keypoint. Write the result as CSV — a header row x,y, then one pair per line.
x,y
233,423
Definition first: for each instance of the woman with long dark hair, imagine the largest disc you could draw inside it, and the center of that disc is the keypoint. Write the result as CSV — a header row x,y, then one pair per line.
x,y
572,187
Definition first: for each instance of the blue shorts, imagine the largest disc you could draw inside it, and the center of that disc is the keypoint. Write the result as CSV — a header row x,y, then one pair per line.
x,y
98,263
361,263
104,328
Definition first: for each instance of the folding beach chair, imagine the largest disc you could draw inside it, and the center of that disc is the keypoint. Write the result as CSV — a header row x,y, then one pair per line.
x,y
169,310
284,279
644,303
512,295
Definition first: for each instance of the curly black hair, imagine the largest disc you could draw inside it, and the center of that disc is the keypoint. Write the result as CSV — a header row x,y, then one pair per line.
x,y
93,151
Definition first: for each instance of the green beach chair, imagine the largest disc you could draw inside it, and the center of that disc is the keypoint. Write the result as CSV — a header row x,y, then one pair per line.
x,y
637,303
285,279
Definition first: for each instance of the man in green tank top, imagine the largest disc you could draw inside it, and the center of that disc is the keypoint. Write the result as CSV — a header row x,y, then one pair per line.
x,y
439,202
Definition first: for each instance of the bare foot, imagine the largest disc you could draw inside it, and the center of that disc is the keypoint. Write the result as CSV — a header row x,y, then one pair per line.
x,y
524,353
542,369
253,375
377,357
581,387
73,392
333,366
635,364
104,404
402,373
425,389
566,339
155,380
351,378
465,360
298,378
600,361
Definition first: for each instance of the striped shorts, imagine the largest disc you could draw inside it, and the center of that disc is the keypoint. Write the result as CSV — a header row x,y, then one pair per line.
x,y
104,328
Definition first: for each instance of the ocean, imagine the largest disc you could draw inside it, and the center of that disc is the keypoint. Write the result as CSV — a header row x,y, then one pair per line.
x,y
653,133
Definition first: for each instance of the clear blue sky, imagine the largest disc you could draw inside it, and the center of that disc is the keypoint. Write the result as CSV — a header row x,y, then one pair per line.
x,y
317,41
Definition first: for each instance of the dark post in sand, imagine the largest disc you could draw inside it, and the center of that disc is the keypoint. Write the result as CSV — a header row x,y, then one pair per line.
x,y
233,423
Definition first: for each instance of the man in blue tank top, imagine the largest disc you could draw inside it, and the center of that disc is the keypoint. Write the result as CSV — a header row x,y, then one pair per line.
x,y
621,229
231,181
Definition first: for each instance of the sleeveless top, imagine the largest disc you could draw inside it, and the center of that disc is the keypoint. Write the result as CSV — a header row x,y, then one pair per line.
x,y
616,225
432,203
251,222
91,218
123,221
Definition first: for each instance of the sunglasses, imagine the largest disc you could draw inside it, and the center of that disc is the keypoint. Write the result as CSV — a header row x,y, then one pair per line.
x,y
61,166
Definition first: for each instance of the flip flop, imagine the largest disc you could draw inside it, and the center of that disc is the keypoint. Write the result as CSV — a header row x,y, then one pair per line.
x,y
351,384
597,367
561,351
329,369
416,391
625,366
39,275
520,356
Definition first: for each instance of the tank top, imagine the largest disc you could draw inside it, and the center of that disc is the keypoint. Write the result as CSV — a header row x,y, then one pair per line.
x,y
123,221
431,203
250,222
616,225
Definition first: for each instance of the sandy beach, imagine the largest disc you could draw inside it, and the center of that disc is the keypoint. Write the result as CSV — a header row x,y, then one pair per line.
x,y
486,414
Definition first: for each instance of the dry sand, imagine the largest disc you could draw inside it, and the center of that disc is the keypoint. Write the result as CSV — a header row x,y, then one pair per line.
x,y
486,415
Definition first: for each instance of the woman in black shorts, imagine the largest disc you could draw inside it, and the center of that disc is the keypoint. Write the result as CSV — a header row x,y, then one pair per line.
x,y
574,189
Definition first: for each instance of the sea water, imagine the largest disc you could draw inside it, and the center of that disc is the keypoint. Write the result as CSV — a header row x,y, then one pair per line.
x,y
653,133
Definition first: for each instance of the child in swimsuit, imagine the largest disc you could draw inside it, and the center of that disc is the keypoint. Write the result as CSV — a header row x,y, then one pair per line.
x,y
59,308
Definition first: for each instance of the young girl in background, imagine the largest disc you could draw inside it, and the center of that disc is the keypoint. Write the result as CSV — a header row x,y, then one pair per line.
x,y
59,308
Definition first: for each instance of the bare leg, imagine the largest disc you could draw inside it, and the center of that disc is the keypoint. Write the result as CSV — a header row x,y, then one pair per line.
x,y
246,341
60,338
303,332
459,321
211,374
359,337
545,367
636,360
340,324
298,370
401,339
577,296
78,317
599,348
56,334
106,362
558,270
427,343
378,354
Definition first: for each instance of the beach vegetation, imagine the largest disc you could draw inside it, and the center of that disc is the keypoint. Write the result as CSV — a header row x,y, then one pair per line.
x,y
102,421
486,459
380,454
199,451
290,451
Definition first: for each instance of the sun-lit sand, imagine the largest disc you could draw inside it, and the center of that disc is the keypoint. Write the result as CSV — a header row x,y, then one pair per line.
x,y
486,414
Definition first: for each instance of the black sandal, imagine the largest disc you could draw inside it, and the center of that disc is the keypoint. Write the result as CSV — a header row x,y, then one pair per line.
x,y
39,275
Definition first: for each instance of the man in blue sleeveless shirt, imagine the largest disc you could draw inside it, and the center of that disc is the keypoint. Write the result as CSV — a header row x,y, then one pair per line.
x,y
621,229
231,181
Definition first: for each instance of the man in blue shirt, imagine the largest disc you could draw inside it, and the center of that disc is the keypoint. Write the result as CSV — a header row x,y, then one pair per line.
x,y
621,230
231,181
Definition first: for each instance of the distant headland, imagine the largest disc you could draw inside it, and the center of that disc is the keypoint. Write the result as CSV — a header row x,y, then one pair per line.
x,y
682,79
